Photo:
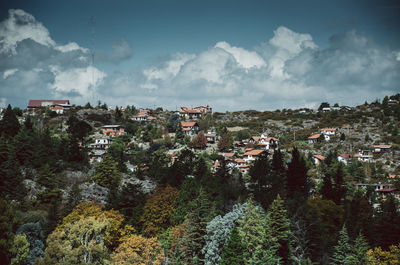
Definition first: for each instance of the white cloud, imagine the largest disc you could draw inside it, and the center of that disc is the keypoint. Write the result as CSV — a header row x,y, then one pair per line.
x,y
243,57
72,46
288,44
20,26
170,69
9,72
78,80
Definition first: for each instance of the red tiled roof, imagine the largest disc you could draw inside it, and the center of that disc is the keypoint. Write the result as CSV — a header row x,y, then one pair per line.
x,y
272,138
229,154
345,155
319,157
394,176
188,123
254,152
383,146
315,136
238,160
328,129
244,166
33,103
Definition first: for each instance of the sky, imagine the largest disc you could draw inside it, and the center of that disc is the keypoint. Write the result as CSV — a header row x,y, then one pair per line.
x,y
231,55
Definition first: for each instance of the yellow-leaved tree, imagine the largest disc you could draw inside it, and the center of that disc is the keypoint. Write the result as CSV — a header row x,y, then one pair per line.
x,y
139,250
157,210
86,236
377,256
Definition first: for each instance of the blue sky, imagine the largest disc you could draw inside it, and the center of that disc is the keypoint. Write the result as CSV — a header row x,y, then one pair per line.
x,y
230,54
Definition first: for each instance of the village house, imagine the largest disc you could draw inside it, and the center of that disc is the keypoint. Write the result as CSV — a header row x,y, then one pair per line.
x,y
113,130
190,127
314,138
318,159
101,143
252,155
363,155
211,137
344,158
96,155
382,148
244,168
267,142
328,132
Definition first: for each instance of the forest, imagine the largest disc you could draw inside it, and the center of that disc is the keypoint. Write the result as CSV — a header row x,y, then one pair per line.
x,y
277,213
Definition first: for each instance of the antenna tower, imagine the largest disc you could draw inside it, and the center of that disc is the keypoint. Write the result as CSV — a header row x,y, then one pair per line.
x,y
92,48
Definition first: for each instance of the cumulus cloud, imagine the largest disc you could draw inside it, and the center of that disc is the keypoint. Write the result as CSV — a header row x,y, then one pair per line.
x,y
289,70
244,58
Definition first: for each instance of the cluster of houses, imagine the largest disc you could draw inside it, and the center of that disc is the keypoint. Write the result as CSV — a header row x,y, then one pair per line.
x,y
59,106
194,113
103,140
144,115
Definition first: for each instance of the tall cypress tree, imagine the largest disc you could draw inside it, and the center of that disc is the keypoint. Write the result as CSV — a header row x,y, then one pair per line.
x,y
339,189
233,253
297,179
261,174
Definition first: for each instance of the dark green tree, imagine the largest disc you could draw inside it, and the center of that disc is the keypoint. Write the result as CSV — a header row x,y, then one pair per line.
x,y
107,174
297,179
187,193
9,125
179,135
196,220
233,253
7,222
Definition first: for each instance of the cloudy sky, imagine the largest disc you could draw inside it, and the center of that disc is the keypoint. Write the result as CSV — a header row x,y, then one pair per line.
x,y
232,55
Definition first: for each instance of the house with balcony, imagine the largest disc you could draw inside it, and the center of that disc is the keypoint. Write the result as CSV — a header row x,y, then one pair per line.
x,y
190,127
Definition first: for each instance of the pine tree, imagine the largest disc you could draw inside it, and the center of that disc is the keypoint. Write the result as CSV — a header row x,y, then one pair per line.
x,y
251,228
233,253
278,228
343,249
9,125
196,222
360,250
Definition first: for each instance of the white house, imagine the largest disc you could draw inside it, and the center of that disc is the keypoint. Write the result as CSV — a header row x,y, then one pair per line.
x,y
318,159
382,148
344,158
314,138
252,155
328,132
364,155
